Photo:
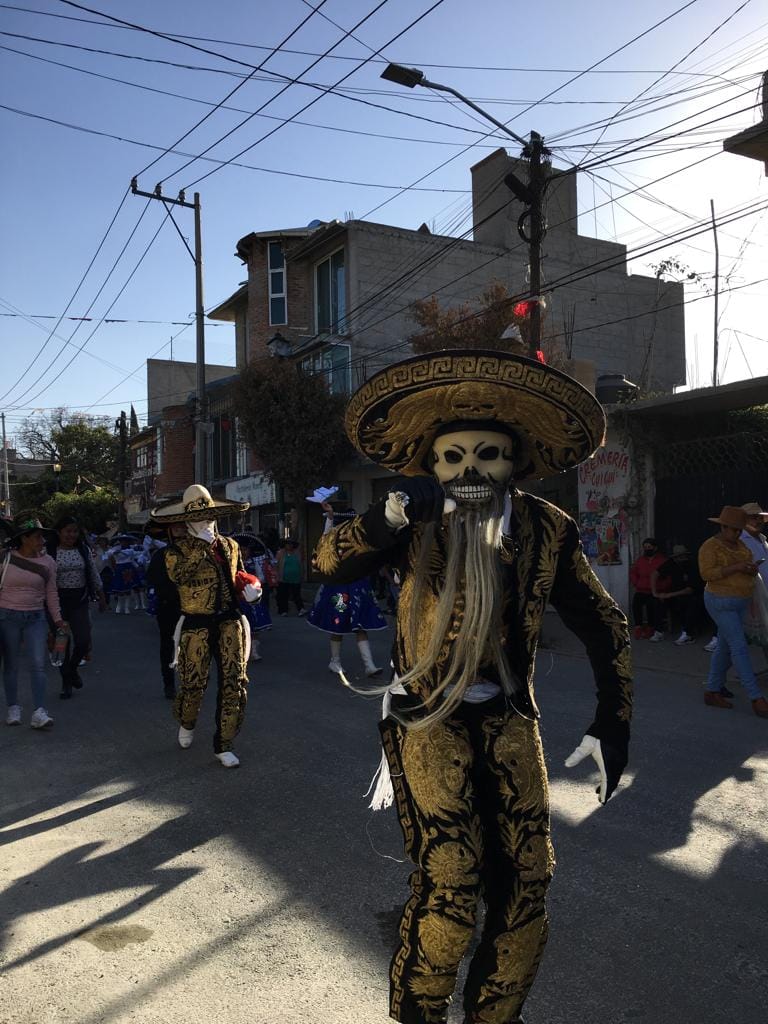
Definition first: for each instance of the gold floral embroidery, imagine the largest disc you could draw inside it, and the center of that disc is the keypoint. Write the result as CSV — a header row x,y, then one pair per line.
x,y
443,940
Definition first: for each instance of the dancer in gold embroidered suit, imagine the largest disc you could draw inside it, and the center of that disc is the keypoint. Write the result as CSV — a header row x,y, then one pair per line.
x,y
207,571
478,560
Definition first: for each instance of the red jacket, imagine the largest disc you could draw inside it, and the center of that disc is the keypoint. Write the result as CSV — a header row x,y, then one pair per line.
x,y
642,569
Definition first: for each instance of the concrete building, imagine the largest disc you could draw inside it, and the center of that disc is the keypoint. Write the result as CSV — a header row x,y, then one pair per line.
x,y
340,294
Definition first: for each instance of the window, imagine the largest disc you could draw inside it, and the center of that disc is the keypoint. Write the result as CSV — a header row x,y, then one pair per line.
x,y
330,295
241,452
333,362
159,450
278,307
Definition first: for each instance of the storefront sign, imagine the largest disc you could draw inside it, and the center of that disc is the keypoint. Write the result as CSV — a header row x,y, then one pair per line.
x,y
604,481
255,489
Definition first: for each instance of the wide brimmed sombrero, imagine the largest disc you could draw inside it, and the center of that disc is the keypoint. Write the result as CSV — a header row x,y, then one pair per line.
x,y
394,417
196,506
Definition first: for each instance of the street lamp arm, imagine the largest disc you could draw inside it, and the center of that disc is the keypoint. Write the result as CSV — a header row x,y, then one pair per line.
x,y
479,110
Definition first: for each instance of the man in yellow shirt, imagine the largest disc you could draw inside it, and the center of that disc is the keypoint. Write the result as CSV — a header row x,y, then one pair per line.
x,y
727,568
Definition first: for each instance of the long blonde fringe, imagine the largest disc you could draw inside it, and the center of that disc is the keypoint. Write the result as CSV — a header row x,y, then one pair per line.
x,y
474,540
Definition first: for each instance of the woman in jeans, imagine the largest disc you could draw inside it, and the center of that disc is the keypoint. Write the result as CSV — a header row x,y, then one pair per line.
x,y
78,583
728,569
27,589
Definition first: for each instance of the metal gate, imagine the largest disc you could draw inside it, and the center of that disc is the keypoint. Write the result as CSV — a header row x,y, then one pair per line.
x,y
694,479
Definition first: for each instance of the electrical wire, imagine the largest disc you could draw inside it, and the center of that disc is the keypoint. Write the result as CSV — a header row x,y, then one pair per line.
x,y
231,93
331,88
133,272
220,162
72,297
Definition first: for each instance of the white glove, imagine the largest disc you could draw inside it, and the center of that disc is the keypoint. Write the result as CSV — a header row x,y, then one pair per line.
x,y
590,747
252,592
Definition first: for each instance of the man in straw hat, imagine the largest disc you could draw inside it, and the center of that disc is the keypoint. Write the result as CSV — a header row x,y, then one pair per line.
x,y
479,560
207,571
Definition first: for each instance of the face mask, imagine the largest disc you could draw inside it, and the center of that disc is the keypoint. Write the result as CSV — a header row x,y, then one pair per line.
x,y
473,466
203,531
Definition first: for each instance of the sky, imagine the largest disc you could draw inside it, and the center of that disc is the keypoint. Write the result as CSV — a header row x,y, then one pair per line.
x,y
367,149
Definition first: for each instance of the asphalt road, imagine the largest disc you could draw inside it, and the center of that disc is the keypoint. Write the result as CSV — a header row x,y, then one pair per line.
x,y
143,883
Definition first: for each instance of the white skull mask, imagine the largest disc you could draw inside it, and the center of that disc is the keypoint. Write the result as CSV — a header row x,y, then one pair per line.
x,y
474,466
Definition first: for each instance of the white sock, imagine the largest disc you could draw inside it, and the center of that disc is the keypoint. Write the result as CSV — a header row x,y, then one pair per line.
x,y
336,651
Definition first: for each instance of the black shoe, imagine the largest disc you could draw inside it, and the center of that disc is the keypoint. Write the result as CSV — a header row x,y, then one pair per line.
x,y
66,693
725,692
76,681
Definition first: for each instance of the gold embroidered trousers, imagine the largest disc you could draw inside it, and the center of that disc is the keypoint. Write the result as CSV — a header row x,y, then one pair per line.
x,y
206,638
471,794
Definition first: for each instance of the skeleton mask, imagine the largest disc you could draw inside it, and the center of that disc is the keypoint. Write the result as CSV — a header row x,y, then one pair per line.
x,y
473,466
203,531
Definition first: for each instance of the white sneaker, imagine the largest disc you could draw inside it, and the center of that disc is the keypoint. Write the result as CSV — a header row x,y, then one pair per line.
x,y
14,715
335,666
40,719
185,737
228,759
657,637
711,646
373,671
684,639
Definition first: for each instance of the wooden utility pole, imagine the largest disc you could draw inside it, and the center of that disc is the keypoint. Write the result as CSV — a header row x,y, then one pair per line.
x,y
536,184
6,480
121,426
201,436
717,295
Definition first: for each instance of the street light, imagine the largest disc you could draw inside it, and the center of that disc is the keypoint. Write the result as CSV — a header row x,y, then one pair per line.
x,y
278,346
531,194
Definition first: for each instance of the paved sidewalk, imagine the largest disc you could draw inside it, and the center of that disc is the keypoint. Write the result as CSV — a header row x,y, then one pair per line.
x,y
665,656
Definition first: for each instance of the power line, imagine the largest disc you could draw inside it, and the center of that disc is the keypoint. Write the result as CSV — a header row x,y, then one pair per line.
x,y
331,88
217,161
178,36
73,296
66,366
232,92
279,93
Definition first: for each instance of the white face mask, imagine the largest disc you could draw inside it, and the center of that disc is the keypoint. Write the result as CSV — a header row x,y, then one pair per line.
x,y
203,531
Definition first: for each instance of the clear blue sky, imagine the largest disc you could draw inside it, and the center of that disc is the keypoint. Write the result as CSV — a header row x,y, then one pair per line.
x,y
61,187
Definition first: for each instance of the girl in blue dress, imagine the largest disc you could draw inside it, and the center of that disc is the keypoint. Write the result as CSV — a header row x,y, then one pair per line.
x,y
341,610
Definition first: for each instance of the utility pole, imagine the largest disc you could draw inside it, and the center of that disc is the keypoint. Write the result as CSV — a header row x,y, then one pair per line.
x,y
121,426
530,193
201,437
537,181
717,294
6,481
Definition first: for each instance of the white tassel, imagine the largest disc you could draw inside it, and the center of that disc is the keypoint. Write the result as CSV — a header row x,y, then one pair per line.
x,y
247,631
176,642
381,783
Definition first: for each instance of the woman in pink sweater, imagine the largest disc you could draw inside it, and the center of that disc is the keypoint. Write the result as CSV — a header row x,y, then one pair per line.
x,y
27,588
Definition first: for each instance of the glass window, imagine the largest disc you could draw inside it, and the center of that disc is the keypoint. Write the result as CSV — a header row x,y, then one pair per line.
x,y
278,306
333,363
330,294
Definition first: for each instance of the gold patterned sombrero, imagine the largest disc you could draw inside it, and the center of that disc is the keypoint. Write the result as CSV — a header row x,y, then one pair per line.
x,y
196,506
394,417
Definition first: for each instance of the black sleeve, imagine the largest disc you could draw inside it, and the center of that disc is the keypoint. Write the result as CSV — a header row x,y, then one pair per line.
x,y
595,618
360,547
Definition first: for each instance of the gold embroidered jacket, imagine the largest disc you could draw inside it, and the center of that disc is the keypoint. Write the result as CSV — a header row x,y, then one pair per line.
x,y
205,586
543,563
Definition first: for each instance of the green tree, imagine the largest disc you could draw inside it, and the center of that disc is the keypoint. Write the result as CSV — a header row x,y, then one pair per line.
x,y
94,509
292,423
469,325
85,447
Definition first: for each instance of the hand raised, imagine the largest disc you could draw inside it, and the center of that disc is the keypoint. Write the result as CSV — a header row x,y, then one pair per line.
x,y
421,498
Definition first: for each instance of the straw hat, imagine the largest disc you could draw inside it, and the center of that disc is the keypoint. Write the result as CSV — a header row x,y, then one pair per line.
x,y
753,509
196,506
731,515
394,418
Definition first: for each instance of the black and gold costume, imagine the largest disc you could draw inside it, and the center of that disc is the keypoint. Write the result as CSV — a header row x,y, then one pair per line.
x,y
471,790
212,628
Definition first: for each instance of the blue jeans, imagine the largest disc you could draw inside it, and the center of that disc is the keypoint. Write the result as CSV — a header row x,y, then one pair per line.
x,y
732,649
31,628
